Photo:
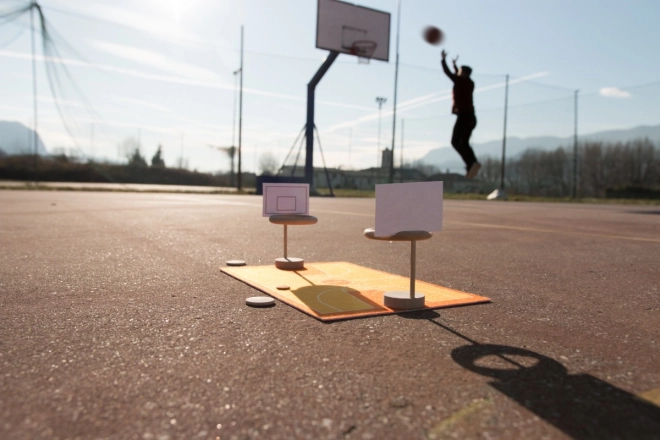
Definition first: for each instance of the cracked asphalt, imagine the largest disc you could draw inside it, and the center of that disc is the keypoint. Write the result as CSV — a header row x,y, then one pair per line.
x,y
117,323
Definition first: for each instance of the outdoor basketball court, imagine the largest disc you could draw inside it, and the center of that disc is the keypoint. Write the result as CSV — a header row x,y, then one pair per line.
x,y
114,307
119,318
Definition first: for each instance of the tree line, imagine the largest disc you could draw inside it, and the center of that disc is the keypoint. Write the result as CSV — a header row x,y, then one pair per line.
x,y
614,170
60,167
604,169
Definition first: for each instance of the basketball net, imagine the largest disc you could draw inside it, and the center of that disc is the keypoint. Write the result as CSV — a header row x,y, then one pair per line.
x,y
364,50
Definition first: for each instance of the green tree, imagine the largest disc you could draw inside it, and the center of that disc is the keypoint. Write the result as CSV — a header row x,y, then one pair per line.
x,y
157,160
268,164
137,160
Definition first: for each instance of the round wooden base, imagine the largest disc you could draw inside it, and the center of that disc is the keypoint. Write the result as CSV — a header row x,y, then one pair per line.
x,y
400,299
290,263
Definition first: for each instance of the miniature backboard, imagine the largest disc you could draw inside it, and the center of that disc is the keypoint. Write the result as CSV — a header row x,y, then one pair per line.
x,y
285,198
414,206
341,25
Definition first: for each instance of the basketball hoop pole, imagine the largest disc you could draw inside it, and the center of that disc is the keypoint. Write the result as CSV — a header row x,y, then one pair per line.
x,y
309,131
396,85
239,182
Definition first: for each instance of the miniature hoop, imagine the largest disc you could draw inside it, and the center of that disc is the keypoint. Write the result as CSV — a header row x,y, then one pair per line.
x,y
364,50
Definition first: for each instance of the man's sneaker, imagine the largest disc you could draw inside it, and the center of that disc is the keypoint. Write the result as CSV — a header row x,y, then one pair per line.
x,y
473,170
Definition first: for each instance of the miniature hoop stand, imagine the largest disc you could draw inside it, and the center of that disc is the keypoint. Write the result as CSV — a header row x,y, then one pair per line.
x,y
290,263
402,299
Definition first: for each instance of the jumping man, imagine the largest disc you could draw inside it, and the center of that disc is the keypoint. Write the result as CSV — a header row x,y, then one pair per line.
x,y
463,108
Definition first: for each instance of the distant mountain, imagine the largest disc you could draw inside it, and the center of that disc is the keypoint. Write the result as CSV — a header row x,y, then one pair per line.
x,y
16,138
447,158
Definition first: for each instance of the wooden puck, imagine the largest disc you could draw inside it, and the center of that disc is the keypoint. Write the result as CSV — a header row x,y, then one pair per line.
x,y
400,299
260,301
290,263
236,263
282,287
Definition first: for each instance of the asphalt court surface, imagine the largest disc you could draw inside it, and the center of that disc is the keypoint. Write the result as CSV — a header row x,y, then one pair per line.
x,y
116,322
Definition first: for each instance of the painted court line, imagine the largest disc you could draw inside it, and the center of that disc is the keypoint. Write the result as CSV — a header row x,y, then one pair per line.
x,y
515,228
554,231
459,416
357,214
318,298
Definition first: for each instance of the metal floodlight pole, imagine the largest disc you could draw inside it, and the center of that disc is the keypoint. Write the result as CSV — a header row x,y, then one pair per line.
x,y
34,92
91,141
181,155
506,107
396,82
380,100
350,141
575,147
233,123
233,130
401,153
309,128
240,121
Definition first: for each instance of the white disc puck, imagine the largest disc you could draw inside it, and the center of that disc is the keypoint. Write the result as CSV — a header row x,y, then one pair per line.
x,y
260,301
235,263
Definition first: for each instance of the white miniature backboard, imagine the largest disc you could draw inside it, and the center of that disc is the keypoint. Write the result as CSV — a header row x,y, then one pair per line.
x,y
285,198
339,25
408,207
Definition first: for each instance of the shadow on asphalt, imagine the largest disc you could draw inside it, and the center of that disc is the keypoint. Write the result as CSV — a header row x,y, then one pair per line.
x,y
581,405
652,212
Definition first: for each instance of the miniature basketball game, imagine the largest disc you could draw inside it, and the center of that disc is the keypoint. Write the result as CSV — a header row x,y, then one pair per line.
x,y
404,212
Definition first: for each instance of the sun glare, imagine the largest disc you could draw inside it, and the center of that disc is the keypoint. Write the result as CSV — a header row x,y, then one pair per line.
x,y
180,7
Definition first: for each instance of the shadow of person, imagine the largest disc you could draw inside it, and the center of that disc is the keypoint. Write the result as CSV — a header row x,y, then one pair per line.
x,y
647,212
581,405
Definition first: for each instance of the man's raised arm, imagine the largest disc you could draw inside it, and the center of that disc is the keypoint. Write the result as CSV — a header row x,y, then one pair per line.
x,y
451,76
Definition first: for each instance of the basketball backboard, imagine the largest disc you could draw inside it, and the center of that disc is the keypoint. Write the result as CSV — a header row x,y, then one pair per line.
x,y
415,206
285,198
340,25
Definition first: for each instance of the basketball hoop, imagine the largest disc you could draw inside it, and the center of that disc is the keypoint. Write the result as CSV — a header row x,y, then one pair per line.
x,y
364,50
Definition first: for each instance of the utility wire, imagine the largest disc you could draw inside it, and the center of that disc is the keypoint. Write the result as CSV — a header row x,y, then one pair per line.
x,y
439,69
16,13
638,86
49,33
550,86
528,104
216,47
486,109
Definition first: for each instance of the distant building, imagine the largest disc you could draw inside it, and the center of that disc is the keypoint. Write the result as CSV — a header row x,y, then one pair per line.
x,y
386,159
353,179
368,178
457,183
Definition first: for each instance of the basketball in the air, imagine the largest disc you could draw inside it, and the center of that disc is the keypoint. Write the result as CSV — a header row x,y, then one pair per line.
x,y
433,35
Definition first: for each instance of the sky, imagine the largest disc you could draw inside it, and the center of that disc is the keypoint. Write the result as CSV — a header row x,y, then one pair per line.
x,y
163,72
